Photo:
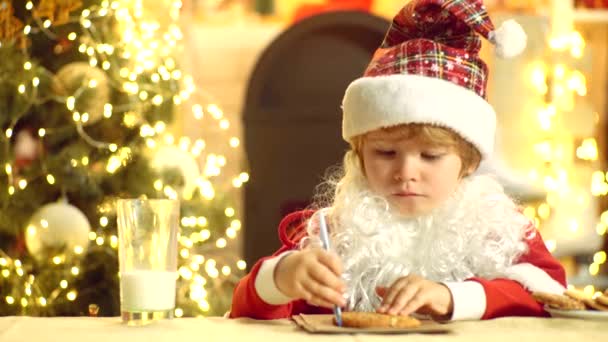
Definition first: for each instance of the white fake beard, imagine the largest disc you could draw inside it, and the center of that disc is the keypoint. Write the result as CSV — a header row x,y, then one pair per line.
x,y
476,232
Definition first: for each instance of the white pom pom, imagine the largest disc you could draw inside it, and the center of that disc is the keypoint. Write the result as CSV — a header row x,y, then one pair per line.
x,y
510,39
26,147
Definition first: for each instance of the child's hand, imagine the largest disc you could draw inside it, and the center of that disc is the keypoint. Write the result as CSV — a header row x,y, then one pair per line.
x,y
415,294
313,275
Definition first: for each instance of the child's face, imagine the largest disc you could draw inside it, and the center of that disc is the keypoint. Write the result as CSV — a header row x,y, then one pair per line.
x,y
415,176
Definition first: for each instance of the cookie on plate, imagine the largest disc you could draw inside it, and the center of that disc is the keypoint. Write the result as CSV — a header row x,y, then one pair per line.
x,y
377,320
602,299
590,303
558,301
576,294
594,305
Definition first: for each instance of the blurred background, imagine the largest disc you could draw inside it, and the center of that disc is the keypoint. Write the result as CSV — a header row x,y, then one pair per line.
x,y
233,107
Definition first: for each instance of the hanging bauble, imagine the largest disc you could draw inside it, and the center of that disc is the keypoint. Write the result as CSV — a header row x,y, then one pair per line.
x,y
26,148
177,168
89,86
56,229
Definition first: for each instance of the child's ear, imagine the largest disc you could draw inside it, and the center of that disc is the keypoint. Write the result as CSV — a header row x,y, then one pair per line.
x,y
468,171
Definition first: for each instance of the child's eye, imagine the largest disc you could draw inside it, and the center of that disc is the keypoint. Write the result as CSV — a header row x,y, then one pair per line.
x,y
431,156
385,153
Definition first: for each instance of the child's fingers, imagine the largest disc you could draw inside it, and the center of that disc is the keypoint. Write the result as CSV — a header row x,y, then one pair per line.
x,y
326,277
331,261
320,302
419,300
392,293
308,294
317,292
404,300
381,290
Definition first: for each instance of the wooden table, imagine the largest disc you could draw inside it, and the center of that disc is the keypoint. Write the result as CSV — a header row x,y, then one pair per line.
x,y
88,329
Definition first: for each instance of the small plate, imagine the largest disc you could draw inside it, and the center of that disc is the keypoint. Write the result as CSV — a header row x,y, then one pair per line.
x,y
583,314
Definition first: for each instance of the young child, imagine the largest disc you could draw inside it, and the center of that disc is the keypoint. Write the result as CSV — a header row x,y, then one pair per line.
x,y
413,229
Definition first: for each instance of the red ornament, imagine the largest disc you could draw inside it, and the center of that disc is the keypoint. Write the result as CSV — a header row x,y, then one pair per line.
x,y
18,248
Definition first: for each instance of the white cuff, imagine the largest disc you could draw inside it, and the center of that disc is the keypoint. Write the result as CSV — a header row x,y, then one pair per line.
x,y
264,282
534,279
469,300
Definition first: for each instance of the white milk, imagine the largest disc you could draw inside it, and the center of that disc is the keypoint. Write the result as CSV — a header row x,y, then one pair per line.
x,y
147,290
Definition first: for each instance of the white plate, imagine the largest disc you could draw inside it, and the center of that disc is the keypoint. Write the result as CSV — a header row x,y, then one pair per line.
x,y
583,314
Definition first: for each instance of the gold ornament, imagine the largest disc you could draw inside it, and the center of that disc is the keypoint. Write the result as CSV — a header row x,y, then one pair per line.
x,y
75,78
10,27
57,229
57,11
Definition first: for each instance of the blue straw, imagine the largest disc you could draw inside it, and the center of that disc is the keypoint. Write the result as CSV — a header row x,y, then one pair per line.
x,y
325,240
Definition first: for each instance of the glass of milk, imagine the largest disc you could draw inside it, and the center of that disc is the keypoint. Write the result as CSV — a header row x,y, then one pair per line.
x,y
147,253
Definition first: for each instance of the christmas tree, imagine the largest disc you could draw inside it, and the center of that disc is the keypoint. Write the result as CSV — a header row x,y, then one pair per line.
x,y
88,92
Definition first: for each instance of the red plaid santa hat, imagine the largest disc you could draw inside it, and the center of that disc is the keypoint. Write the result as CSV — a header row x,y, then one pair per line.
x,y
428,70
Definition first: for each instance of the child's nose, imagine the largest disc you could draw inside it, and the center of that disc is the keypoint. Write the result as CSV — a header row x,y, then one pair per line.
x,y
407,169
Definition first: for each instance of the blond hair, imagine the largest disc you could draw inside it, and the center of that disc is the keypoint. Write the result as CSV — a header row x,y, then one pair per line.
x,y
435,135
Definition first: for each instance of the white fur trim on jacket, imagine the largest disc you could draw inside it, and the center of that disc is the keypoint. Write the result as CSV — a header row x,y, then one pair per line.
x,y
264,282
533,278
383,101
469,300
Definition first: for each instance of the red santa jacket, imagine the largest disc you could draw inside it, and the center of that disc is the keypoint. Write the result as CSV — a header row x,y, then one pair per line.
x,y
504,297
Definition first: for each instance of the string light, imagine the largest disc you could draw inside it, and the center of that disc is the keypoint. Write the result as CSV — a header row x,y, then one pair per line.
x,y
114,241
241,264
221,243
22,184
234,142
71,296
50,179
201,221
231,232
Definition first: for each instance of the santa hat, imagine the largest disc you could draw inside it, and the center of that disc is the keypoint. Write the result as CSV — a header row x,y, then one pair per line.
x,y
428,70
